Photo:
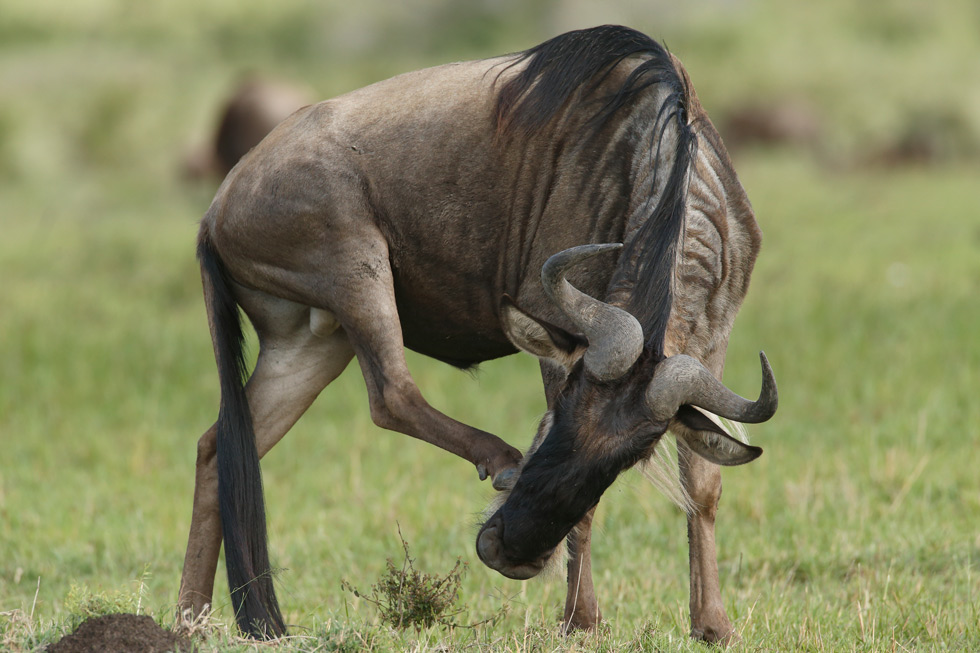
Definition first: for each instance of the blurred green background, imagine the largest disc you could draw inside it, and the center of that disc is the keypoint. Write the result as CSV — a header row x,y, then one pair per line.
x,y
855,128
103,85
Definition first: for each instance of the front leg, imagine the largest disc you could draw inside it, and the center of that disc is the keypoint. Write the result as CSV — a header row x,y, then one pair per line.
x,y
581,606
369,314
702,479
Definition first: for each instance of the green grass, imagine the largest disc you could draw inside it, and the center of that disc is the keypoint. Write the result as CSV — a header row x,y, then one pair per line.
x,y
856,530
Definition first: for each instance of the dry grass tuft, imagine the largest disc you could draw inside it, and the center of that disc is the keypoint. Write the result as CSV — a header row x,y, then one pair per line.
x,y
408,598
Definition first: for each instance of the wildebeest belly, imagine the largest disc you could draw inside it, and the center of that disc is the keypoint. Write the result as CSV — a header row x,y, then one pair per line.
x,y
463,350
461,329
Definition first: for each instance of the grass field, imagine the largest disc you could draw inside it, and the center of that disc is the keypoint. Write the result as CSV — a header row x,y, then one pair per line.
x,y
858,529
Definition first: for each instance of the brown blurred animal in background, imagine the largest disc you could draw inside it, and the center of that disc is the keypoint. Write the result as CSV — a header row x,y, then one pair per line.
x,y
787,123
253,110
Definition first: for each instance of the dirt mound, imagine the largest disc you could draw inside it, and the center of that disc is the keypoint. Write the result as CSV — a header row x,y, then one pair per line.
x,y
120,633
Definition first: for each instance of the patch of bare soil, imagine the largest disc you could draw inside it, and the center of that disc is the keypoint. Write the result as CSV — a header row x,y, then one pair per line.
x,y
120,633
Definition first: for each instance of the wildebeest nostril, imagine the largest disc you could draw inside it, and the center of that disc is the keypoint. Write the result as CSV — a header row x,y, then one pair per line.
x,y
488,542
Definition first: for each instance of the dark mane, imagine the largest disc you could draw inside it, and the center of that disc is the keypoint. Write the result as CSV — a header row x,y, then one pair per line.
x,y
558,68
579,62
645,274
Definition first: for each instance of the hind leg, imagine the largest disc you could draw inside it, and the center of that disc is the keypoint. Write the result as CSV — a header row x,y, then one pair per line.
x,y
301,351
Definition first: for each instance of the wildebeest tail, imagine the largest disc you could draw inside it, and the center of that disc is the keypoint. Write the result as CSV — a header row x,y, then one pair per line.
x,y
240,495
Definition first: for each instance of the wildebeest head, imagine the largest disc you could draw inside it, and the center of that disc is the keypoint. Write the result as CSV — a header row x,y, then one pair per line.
x,y
619,397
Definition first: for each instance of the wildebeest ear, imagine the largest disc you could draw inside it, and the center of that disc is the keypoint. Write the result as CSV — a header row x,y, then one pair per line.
x,y
710,441
539,338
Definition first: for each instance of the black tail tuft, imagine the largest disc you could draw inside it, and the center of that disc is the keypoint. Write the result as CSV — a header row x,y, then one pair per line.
x,y
240,494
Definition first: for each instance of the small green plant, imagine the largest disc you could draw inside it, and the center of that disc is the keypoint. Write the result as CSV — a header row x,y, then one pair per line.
x,y
408,598
82,603
342,638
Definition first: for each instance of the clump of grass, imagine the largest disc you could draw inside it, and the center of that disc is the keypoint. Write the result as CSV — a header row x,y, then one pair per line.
x,y
16,628
82,604
408,598
342,638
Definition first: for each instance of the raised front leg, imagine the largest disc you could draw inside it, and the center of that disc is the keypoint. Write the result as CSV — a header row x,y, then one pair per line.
x,y
368,312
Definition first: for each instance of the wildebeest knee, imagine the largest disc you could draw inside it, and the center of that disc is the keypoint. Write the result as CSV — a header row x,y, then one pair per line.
x,y
206,474
703,485
398,402
207,448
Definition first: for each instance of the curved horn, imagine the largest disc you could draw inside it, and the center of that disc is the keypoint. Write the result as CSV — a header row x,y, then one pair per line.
x,y
615,337
681,380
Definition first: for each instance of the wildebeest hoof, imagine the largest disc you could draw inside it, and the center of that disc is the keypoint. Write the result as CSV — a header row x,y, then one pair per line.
x,y
481,469
583,621
728,638
505,480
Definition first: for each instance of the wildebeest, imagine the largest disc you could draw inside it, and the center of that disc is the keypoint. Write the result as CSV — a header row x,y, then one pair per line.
x,y
468,211
253,110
